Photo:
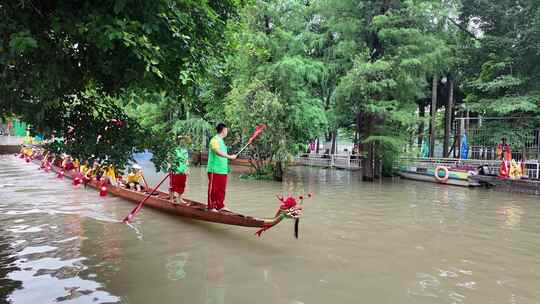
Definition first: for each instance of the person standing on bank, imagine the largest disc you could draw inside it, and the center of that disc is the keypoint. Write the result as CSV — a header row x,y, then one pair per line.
x,y
218,168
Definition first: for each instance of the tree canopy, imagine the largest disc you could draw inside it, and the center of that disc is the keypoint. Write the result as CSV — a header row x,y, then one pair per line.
x,y
56,52
305,68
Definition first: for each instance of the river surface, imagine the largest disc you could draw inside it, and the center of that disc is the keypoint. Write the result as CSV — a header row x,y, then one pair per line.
x,y
395,242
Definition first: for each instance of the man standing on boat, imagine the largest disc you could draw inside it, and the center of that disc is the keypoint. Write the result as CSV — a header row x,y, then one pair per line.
x,y
218,168
179,162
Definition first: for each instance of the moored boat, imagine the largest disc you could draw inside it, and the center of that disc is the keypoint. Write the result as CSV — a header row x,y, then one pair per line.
x,y
440,174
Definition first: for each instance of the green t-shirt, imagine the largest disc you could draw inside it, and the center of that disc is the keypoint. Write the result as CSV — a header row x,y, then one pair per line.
x,y
216,163
179,160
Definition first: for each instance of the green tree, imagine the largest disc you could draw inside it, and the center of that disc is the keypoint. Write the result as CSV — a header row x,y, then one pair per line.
x,y
398,52
504,73
51,51
275,83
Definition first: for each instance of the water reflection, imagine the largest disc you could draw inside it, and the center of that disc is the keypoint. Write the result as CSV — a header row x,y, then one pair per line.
x,y
41,243
215,278
176,266
510,215
7,265
53,272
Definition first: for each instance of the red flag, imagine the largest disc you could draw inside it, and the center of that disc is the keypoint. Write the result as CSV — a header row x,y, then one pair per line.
x,y
258,130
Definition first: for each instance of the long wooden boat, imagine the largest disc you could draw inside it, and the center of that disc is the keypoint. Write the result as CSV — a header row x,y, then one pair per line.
x,y
192,209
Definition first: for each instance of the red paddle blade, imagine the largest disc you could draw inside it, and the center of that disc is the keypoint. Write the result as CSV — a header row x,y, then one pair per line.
x,y
127,219
258,130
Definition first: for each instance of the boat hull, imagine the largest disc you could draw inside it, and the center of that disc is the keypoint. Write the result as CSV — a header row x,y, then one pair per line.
x,y
430,178
194,210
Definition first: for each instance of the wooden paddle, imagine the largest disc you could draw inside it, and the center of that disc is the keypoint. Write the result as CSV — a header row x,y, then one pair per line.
x,y
139,206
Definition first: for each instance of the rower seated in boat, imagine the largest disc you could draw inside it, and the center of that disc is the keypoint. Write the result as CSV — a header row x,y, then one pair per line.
x,y
95,172
76,165
45,161
85,167
134,179
38,154
67,164
109,175
26,153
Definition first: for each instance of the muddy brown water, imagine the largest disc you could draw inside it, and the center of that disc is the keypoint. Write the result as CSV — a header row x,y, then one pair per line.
x,y
392,242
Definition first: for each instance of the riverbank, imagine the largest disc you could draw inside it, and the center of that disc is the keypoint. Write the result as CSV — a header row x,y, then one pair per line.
x,y
531,187
10,144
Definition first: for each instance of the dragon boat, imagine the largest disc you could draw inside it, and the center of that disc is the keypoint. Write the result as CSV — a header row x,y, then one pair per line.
x,y
160,201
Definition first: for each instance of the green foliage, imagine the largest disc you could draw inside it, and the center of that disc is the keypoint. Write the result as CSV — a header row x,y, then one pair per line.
x,y
402,48
21,43
290,125
94,126
275,83
503,69
163,118
197,129
51,52
307,69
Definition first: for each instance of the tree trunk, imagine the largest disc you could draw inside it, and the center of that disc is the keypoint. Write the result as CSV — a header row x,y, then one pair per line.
x,y
368,168
318,146
421,126
267,24
376,43
359,132
432,126
467,120
278,171
448,117
359,124
333,148
199,158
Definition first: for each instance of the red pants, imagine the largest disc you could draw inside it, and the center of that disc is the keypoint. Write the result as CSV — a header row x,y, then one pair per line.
x,y
178,182
216,190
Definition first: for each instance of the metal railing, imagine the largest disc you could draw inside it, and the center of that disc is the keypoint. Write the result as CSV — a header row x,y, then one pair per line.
x,y
330,160
482,141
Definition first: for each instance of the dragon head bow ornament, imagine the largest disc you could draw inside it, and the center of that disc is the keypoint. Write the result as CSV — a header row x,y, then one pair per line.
x,y
291,207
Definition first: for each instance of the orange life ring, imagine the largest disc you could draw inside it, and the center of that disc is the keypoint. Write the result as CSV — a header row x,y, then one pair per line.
x,y
446,174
